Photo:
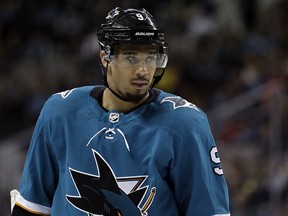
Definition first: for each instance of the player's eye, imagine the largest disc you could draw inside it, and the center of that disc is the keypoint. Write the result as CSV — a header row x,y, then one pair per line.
x,y
150,59
133,59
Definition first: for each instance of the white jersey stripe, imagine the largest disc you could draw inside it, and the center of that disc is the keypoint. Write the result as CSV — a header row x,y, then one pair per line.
x,y
221,215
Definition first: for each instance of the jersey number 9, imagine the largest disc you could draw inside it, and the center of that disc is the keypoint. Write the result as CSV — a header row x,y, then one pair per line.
x,y
216,159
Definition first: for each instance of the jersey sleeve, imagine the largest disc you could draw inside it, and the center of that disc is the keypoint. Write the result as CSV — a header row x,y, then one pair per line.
x,y
39,177
200,186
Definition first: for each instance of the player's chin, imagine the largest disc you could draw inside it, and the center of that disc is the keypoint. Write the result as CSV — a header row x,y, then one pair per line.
x,y
136,96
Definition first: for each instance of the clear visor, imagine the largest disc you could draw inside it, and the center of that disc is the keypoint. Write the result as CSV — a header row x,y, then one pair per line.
x,y
148,56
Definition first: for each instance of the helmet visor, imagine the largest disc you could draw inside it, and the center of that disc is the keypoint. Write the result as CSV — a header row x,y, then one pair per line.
x,y
140,55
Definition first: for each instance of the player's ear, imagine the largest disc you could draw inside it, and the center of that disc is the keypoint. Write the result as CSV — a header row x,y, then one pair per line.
x,y
102,58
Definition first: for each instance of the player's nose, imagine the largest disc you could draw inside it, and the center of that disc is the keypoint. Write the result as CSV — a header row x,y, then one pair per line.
x,y
141,71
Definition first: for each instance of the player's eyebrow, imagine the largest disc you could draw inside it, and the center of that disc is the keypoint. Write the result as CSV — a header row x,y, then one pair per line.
x,y
129,52
132,52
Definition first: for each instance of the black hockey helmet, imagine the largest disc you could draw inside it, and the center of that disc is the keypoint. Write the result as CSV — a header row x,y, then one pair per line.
x,y
132,26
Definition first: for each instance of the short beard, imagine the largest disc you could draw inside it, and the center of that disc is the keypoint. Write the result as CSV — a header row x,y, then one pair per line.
x,y
135,97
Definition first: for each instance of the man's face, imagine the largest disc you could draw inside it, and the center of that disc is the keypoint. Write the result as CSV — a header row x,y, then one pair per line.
x,y
131,70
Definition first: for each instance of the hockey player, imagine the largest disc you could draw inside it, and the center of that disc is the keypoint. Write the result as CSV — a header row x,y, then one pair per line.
x,y
124,148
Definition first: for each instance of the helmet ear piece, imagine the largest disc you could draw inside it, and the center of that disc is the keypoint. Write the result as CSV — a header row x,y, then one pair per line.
x,y
105,59
107,53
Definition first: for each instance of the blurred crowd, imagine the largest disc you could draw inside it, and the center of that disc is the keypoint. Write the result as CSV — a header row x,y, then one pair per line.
x,y
218,50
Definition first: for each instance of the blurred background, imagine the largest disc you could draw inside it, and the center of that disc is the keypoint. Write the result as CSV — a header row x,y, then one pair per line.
x,y
229,57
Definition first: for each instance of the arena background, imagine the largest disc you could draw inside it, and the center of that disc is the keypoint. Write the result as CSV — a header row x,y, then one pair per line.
x,y
229,57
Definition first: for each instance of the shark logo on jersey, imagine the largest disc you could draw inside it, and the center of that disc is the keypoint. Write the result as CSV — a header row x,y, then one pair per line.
x,y
179,102
107,195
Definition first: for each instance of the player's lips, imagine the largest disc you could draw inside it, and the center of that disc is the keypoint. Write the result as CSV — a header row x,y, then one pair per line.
x,y
139,84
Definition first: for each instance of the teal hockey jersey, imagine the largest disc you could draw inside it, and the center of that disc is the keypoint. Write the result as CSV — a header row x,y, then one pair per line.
x,y
158,159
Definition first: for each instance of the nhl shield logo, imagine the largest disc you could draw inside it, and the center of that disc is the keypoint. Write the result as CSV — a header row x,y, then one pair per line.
x,y
114,117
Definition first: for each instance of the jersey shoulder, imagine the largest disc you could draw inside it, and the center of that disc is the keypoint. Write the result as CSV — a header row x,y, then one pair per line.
x,y
177,114
176,105
71,102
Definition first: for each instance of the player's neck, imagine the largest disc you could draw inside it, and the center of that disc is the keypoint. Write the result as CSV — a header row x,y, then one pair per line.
x,y
111,102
